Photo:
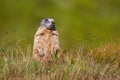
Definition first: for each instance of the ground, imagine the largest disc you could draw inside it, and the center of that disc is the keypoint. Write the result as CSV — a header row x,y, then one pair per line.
x,y
79,63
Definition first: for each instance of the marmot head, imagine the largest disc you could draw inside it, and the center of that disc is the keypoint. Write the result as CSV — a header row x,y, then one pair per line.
x,y
48,23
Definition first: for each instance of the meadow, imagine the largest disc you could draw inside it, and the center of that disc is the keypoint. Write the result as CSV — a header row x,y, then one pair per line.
x,y
89,34
78,63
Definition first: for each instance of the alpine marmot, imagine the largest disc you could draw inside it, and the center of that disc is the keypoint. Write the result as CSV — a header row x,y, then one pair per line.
x,y
46,41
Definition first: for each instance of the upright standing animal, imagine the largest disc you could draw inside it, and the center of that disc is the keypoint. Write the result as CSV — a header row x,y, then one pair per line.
x,y
46,41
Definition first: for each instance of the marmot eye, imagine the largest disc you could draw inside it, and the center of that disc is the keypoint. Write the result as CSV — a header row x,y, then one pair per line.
x,y
46,20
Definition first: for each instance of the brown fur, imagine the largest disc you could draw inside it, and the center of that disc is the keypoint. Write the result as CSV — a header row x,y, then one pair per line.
x,y
45,43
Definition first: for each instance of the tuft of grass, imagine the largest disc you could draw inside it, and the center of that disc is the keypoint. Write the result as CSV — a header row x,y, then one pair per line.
x,y
101,63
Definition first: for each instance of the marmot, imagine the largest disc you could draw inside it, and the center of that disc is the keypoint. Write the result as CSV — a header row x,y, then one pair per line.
x,y
46,41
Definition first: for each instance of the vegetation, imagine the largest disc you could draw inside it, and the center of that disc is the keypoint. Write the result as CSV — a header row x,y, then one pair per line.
x,y
79,63
88,31
75,19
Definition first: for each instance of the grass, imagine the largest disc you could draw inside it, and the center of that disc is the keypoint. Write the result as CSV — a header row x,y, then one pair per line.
x,y
81,63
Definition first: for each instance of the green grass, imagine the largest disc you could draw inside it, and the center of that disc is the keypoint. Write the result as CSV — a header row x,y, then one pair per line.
x,y
81,63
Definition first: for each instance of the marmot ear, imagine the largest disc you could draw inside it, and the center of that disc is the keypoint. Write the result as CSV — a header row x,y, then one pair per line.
x,y
42,23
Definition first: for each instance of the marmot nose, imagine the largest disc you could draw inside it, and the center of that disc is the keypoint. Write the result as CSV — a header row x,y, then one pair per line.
x,y
53,22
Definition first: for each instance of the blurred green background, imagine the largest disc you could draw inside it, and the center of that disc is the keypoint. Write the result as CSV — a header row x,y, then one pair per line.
x,y
92,21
